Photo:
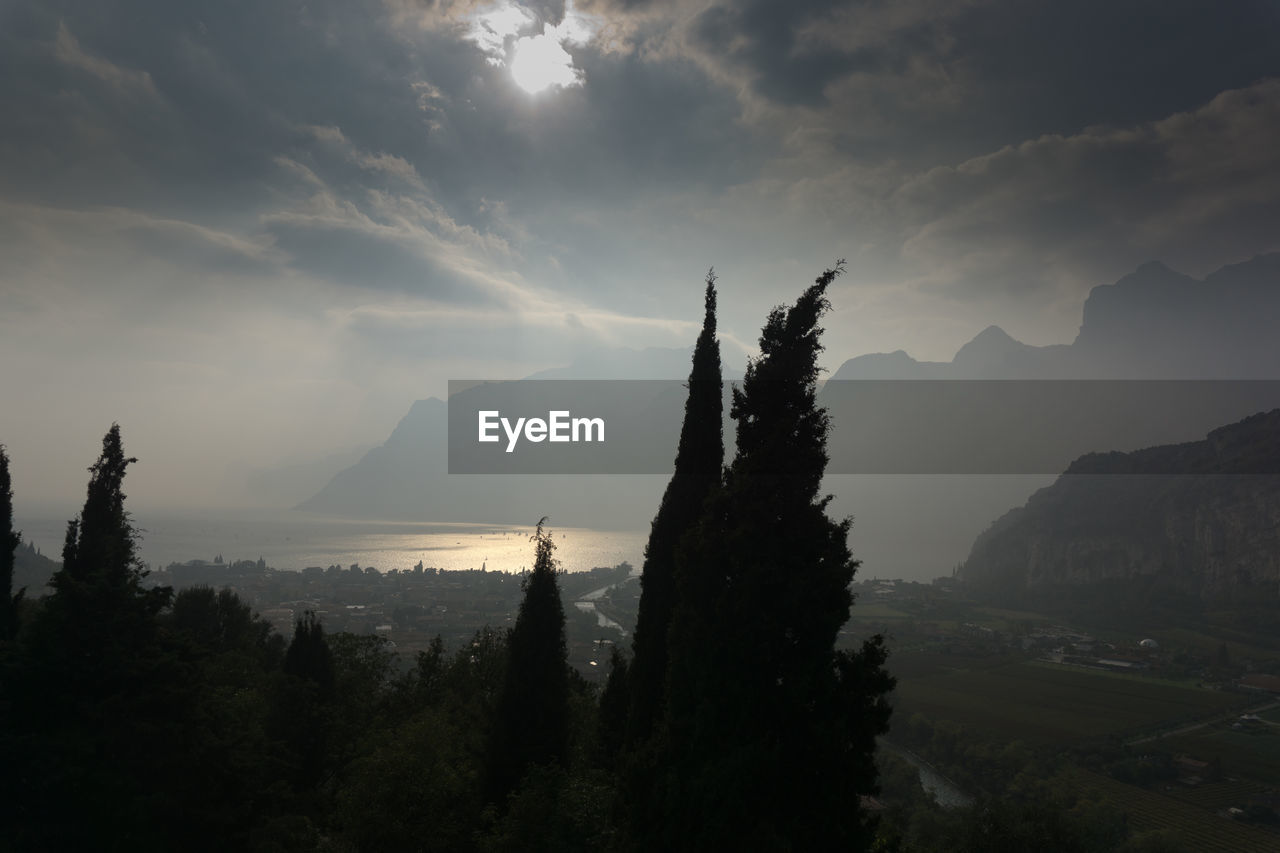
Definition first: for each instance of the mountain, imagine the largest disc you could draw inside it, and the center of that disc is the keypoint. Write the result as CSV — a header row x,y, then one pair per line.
x,y
407,478
397,476
1154,323
291,482
902,430
32,570
1197,521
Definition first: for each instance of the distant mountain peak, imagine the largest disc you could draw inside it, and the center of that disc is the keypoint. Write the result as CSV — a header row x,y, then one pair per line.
x,y
993,336
1154,322
1154,268
991,344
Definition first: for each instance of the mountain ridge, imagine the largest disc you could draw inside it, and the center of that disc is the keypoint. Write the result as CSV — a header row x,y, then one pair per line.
x,y
1153,323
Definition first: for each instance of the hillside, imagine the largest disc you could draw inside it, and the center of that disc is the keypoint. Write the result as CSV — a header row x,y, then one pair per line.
x,y
32,570
1124,524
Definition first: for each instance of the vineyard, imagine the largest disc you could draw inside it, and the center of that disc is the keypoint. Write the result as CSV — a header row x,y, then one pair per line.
x,y
1199,829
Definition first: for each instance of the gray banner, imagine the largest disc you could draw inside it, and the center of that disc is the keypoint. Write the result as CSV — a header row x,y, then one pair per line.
x,y
877,426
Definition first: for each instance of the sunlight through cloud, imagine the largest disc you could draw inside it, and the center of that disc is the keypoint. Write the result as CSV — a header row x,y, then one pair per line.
x,y
540,62
537,60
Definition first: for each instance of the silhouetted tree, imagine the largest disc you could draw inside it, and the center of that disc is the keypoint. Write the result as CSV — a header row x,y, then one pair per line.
x,y
101,612
229,657
99,700
615,702
9,539
698,463
302,717
770,731
531,725
309,657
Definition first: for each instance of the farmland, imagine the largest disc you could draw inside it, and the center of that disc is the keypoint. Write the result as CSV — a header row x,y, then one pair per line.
x,y
1045,703
1197,828
1252,752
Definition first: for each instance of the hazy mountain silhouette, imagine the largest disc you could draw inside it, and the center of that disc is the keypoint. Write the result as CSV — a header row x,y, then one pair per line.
x,y
32,570
1154,323
295,481
406,478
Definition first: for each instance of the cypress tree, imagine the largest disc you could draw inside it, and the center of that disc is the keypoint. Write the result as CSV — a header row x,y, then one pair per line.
x,y
9,540
531,725
98,699
615,703
100,565
770,731
104,611
302,718
309,657
699,458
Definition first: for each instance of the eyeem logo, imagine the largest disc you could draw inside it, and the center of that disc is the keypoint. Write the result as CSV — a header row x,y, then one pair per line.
x,y
559,426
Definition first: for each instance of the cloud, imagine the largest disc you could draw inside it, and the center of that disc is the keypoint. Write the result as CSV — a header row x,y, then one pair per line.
x,y
386,164
366,182
1105,196
124,81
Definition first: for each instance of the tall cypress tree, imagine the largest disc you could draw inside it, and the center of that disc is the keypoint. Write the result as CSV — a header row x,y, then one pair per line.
x,y
9,539
699,458
98,592
99,557
531,726
770,731
97,702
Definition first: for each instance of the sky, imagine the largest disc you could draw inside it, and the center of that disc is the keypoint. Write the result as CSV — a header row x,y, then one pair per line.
x,y
254,232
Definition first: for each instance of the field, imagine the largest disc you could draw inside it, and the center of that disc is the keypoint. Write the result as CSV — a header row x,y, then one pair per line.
x,y
1215,796
1253,752
1198,829
1045,703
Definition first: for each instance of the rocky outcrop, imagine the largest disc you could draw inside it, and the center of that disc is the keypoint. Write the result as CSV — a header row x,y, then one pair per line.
x,y
1199,520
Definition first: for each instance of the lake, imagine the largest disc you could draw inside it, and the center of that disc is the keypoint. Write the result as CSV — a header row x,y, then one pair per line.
x,y
288,540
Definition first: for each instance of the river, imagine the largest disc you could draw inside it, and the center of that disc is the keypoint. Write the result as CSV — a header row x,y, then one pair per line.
x,y
587,604
944,792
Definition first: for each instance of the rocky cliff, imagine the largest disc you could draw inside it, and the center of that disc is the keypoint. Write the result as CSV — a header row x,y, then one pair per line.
x,y
1198,521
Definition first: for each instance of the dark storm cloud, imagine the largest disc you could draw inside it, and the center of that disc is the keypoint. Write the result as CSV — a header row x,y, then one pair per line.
x,y
1192,189
1058,67
763,39
937,78
230,92
185,110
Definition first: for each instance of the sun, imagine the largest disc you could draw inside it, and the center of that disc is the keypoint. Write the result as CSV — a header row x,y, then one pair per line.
x,y
532,50
540,62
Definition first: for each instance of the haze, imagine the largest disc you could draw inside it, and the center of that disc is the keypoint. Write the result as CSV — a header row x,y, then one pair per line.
x,y
253,235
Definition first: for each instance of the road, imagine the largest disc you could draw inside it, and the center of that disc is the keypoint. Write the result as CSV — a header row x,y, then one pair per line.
x,y
1219,719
